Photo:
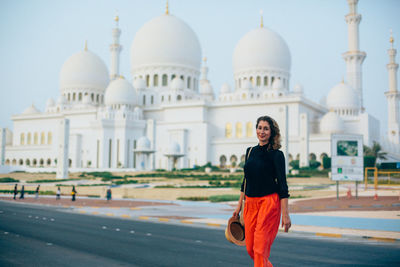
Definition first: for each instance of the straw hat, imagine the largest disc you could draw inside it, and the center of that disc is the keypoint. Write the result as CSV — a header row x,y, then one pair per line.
x,y
234,232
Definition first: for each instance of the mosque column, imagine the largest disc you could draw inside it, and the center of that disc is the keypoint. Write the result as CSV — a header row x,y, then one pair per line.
x,y
393,96
304,140
63,148
2,145
354,57
283,121
115,49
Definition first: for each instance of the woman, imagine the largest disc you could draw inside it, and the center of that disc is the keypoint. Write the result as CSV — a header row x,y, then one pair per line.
x,y
58,195
266,192
73,193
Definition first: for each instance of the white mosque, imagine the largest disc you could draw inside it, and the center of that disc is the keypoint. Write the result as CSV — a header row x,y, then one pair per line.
x,y
169,116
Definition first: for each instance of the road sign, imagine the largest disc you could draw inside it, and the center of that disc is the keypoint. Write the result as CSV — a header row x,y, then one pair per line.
x,y
347,157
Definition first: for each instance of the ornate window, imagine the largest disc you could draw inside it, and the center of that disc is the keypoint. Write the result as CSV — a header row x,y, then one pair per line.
x,y
35,138
164,80
29,139
249,129
228,130
258,80
239,130
188,82
49,138
22,139
155,80
42,138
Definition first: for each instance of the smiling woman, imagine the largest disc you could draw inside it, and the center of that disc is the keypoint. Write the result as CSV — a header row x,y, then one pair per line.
x,y
265,190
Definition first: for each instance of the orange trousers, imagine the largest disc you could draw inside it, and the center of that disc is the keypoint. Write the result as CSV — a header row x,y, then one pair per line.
x,y
261,217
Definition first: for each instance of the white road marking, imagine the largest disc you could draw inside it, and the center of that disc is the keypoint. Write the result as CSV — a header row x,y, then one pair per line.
x,y
104,227
132,232
49,244
52,220
6,233
198,241
117,230
148,234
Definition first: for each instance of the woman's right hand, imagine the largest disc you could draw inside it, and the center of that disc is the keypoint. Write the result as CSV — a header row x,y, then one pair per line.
x,y
237,211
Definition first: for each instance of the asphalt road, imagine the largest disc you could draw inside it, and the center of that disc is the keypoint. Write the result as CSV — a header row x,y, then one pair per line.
x,y
44,236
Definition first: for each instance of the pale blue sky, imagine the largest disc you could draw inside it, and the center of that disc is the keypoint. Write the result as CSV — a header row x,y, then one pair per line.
x,y
37,36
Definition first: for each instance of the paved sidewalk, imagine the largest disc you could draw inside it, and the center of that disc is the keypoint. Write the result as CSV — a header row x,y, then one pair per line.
x,y
353,218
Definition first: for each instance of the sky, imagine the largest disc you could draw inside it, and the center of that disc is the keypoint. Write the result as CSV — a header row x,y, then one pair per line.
x,y
38,36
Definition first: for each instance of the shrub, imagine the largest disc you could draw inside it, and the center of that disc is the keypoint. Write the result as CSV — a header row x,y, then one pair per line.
x,y
193,198
294,164
369,161
222,198
314,164
8,180
126,182
326,162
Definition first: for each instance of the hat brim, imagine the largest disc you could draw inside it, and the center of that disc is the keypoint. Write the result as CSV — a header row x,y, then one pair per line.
x,y
234,232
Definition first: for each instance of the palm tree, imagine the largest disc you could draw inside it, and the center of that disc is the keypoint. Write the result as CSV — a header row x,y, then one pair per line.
x,y
375,151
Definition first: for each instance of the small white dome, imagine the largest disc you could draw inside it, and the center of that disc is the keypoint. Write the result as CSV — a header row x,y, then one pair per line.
x,y
177,84
31,110
84,69
342,96
139,84
165,41
120,91
277,84
225,89
50,103
331,123
206,89
174,148
246,85
298,88
143,143
61,100
261,48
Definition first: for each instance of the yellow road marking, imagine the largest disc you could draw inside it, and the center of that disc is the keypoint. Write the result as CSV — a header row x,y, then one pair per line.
x,y
163,219
329,235
213,224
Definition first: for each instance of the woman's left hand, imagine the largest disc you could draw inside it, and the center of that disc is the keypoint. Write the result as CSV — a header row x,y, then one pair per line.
x,y
286,223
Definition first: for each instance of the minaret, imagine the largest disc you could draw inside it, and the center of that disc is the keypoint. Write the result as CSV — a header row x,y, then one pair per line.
x,y
354,57
115,49
393,96
204,71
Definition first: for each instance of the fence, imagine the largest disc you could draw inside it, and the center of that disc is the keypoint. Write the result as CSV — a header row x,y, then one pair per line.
x,y
383,175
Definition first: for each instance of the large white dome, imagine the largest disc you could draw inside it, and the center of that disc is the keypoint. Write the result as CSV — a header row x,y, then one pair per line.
x,y
143,144
120,92
262,49
84,69
343,97
165,41
331,123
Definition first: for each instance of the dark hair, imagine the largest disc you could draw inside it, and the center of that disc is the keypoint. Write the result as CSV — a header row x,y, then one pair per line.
x,y
274,141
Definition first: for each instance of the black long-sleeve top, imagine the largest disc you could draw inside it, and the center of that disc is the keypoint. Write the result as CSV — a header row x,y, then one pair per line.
x,y
265,173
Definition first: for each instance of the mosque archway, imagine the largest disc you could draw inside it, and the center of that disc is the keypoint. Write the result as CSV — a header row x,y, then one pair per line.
x,y
222,161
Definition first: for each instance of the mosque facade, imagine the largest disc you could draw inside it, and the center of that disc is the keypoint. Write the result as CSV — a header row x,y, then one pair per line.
x,y
168,116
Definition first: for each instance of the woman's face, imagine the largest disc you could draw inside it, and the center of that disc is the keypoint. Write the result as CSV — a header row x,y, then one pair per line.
x,y
263,132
